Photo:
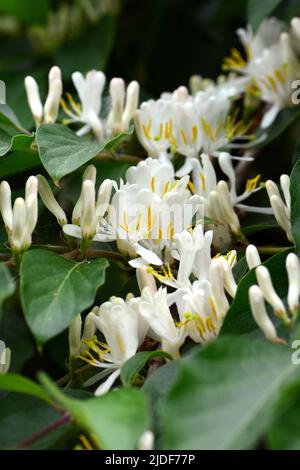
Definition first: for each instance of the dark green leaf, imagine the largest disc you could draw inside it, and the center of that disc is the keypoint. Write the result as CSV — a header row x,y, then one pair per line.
x,y
114,421
17,142
20,384
225,394
29,11
7,285
137,362
295,205
54,290
284,120
18,161
62,151
258,10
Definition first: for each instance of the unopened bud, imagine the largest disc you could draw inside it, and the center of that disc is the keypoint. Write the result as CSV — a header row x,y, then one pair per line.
x,y
293,271
252,257
50,201
75,336
88,219
132,100
34,100
260,315
5,205
146,441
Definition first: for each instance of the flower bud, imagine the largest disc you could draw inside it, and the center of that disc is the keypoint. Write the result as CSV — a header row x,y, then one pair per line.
x,y
145,279
293,271
103,198
265,283
181,94
117,95
5,205
90,173
281,215
75,336
5,359
226,206
34,100
52,103
31,187
132,99
285,186
88,219
19,225
50,201
32,214
217,287
252,257
260,315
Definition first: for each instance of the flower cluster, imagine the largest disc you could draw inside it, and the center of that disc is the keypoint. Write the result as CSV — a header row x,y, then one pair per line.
x,y
165,216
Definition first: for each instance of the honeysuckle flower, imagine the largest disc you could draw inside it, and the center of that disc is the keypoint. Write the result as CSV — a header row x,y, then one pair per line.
x,y
293,271
124,331
295,33
5,359
252,257
148,211
202,306
90,90
87,212
153,125
274,73
220,198
181,95
50,202
266,286
77,339
281,205
21,218
47,113
260,315
121,114
155,310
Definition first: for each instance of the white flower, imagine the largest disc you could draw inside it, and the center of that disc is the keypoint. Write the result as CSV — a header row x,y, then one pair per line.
x,y
87,212
293,271
155,310
252,257
203,305
219,198
121,114
274,72
260,315
20,220
47,113
153,125
90,90
148,211
281,206
124,331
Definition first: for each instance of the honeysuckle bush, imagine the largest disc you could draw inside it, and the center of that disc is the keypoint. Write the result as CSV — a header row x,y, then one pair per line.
x,y
150,279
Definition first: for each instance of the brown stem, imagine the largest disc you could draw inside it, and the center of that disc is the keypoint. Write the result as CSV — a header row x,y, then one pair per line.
x,y
120,157
65,418
90,254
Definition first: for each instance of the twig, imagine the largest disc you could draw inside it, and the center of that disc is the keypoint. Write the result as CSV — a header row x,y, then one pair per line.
x,y
120,157
90,254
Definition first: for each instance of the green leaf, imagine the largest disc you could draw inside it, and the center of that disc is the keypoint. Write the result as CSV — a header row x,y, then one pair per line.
x,y
18,383
18,161
284,434
239,319
54,290
7,285
62,151
115,420
137,362
17,142
225,394
9,121
295,205
258,10
22,416
29,11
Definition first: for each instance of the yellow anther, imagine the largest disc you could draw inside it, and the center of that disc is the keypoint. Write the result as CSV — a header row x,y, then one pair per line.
x,y
166,187
252,183
75,106
159,136
120,344
153,184
213,308
203,181
138,221
85,442
183,136
207,129
278,75
194,133
192,187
